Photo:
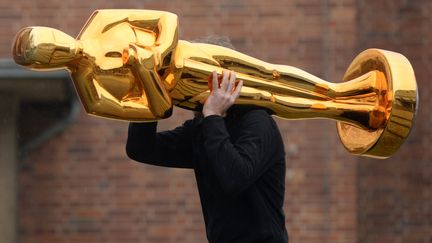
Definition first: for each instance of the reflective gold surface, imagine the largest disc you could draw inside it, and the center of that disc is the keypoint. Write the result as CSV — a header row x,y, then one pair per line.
x,y
130,65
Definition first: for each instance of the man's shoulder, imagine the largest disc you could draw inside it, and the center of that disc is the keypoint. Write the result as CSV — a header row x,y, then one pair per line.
x,y
242,110
258,117
258,112
193,123
261,114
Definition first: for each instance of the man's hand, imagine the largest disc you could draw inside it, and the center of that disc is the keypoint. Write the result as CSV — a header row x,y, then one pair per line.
x,y
223,97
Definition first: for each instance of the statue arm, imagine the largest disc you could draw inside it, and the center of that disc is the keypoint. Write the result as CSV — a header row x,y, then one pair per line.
x,y
142,64
145,61
165,26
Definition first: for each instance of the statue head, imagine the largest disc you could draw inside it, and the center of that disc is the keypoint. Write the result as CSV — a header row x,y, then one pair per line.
x,y
44,48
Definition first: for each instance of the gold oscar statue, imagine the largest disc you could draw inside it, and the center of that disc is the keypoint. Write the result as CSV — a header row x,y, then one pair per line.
x,y
130,65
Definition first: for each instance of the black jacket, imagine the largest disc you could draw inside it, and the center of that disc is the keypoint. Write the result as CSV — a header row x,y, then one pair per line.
x,y
239,164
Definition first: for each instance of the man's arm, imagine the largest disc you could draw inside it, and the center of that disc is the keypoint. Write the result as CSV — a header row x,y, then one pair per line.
x,y
169,148
237,165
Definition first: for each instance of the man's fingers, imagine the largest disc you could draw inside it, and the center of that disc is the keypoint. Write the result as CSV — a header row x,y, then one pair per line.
x,y
238,88
225,82
225,76
231,82
215,84
210,82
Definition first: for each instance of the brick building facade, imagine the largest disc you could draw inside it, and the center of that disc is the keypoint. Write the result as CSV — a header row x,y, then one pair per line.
x,y
79,186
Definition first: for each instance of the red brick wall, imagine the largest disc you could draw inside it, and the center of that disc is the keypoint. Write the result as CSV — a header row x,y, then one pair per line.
x,y
80,186
395,195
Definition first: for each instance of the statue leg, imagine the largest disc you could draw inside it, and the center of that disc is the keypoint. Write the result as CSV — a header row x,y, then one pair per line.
x,y
293,93
298,81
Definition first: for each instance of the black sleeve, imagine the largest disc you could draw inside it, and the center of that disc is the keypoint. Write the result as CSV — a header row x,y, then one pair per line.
x,y
168,148
237,165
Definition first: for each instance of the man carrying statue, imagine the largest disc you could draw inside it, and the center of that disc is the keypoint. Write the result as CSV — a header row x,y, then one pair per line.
x,y
238,157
